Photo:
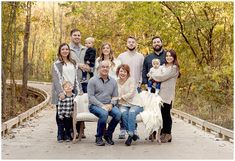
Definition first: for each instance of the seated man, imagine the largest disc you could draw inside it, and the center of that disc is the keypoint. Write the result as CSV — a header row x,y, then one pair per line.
x,y
101,89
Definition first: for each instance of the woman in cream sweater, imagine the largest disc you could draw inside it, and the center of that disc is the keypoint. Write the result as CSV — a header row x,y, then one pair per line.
x,y
129,101
167,92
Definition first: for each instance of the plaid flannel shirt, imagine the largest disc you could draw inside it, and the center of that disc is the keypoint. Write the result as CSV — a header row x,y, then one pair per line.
x,y
65,106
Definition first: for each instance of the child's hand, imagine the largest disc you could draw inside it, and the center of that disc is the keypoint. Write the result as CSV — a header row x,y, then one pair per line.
x,y
61,117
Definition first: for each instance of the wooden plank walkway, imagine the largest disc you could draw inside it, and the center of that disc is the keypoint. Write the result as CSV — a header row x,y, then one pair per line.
x,y
36,139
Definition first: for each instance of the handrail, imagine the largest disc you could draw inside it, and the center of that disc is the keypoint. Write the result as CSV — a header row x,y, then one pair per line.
x,y
221,132
16,121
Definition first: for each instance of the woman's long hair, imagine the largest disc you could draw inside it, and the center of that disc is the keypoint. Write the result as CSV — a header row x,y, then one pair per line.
x,y
175,61
111,57
68,57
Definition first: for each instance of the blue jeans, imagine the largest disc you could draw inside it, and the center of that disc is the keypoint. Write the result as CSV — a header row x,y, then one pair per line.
x,y
150,83
129,117
103,116
121,124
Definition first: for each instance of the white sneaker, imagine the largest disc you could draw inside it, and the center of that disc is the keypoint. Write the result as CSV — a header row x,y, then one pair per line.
x,y
157,92
122,134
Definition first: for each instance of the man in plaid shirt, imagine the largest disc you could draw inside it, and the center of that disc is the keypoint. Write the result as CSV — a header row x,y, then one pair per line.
x,y
64,111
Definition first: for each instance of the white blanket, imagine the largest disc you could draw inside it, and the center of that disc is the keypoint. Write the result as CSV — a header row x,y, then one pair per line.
x,y
151,116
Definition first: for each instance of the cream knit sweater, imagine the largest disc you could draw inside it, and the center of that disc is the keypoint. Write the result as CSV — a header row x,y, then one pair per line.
x,y
129,93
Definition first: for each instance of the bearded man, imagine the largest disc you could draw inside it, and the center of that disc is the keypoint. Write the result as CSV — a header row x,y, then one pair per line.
x,y
159,53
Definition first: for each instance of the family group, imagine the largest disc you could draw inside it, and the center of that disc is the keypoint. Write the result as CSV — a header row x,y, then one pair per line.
x,y
113,86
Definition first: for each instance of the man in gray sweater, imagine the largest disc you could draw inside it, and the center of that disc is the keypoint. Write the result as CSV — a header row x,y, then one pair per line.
x,y
102,89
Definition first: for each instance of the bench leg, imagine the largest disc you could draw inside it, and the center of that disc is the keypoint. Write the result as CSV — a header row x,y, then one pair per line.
x,y
159,136
81,131
74,126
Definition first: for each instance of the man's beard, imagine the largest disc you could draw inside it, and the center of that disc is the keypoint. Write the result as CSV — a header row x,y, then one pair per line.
x,y
131,49
157,50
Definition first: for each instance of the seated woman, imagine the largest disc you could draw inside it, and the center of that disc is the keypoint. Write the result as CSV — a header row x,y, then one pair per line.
x,y
129,101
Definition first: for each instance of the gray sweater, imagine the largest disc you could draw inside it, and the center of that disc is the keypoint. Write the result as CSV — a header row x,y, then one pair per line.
x,y
57,81
168,83
100,92
78,55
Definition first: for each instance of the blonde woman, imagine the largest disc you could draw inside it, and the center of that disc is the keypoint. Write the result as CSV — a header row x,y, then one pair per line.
x,y
106,53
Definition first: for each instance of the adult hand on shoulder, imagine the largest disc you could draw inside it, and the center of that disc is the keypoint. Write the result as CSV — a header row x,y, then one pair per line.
x,y
61,96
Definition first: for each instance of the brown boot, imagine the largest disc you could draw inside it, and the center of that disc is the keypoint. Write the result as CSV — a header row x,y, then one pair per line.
x,y
152,137
162,136
167,138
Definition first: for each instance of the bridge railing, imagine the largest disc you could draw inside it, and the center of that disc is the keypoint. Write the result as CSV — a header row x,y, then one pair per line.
x,y
220,132
16,121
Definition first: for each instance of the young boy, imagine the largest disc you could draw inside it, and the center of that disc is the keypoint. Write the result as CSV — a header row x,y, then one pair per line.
x,y
64,112
156,69
89,58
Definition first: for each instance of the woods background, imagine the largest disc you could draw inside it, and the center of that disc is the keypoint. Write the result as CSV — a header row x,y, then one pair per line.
x,y
200,32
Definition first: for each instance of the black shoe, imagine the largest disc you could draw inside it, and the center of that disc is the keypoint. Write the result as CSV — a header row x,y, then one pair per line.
x,y
129,140
60,139
135,137
153,136
108,139
68,138
99,141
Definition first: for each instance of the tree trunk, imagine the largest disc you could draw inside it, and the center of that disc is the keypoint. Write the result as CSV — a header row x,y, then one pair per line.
x,y
5,60
13,84
61,27
32,55
25,51
54,26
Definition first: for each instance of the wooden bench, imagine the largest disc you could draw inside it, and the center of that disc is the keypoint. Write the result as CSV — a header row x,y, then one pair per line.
x,y
82,113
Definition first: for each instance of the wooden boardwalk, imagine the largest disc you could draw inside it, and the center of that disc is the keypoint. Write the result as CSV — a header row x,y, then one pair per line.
x,y
36,139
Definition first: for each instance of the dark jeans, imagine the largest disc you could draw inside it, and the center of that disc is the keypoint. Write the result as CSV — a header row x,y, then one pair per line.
x,y
103,116
84,87
64,127
84,75
166,117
